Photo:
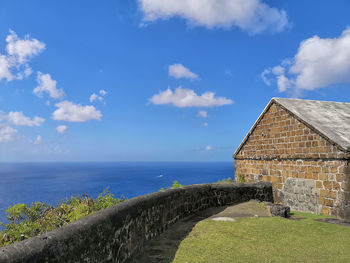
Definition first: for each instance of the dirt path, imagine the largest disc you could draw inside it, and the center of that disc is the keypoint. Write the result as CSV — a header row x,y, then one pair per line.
x,y
163,248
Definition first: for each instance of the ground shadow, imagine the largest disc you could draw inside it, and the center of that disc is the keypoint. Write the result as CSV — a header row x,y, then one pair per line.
x,y
163,247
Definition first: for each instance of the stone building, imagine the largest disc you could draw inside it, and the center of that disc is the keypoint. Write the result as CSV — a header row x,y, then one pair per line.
x,y
303,148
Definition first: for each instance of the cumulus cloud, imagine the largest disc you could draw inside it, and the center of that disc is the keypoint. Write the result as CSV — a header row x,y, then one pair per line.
x,y
38,140
274,71
15,64
319,63
252,16
23,49
179,71
68,111
188,98
7,133
61,129
19,119
103,92
5,67
202,113
93,97
47,85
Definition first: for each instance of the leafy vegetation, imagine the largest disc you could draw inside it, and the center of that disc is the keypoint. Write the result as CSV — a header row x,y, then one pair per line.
x,y
176,184
226,181
266,239
240,178
29,221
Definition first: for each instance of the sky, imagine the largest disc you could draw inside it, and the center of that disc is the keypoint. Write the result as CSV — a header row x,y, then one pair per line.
x,y
159,80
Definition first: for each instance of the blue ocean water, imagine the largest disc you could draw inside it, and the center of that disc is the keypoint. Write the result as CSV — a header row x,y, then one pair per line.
x,y
50,182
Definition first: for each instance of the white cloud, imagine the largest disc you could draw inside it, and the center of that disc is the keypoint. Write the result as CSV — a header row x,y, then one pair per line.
x,y
188,98
7,133
47,85
93,97
283,83
205,124
264,76
61,129
278,70
38,140
202,113
19,119
14,64
208,148
23,49
319,63
5,67
253,16
68,111
179,71
103,92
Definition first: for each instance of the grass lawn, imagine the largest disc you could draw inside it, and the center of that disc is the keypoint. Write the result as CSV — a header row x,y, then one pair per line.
x,y
271,239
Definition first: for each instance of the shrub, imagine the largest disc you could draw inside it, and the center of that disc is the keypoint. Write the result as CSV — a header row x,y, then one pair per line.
x,y
29,221
226,181
176,184
241,178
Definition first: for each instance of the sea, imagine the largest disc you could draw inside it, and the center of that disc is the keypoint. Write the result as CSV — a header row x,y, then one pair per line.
x,y
51,182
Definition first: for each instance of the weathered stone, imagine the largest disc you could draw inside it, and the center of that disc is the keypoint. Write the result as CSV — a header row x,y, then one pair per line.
x,y
299,159
279,210
118,232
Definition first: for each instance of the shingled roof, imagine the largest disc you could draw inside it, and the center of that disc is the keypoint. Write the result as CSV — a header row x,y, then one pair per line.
x,y
329,119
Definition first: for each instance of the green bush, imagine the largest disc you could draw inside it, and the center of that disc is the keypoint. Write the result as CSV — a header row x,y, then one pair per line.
x,y
226,181
29,221
241,178
176,184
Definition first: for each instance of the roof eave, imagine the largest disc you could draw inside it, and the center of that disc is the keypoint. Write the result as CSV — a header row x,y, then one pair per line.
x,y
275,100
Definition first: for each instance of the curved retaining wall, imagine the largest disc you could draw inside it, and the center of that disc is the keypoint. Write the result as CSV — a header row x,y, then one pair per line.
x,y
116,233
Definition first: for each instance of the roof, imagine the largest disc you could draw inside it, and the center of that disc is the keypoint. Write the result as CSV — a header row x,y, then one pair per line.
x,y
329,119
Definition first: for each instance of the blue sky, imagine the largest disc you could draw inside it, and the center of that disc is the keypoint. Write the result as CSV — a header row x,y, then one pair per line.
x,y
156,80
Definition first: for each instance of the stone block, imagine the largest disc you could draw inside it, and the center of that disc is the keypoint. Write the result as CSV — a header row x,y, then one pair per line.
x,y
319,184
324,193
279,210
321,200
328,202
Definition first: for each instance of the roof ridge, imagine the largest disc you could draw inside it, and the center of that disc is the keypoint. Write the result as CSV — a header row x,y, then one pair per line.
x,y
303,113
325,101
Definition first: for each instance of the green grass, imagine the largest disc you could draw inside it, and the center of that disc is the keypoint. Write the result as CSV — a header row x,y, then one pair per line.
x,y
271,239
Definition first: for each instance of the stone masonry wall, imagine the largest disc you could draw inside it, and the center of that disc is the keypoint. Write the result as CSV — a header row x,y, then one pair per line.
x,y
308,172
312,186
279,135
118,232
